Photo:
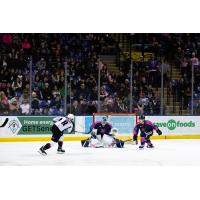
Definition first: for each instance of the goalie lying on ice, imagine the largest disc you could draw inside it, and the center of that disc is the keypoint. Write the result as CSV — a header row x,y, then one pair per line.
x,y
107,140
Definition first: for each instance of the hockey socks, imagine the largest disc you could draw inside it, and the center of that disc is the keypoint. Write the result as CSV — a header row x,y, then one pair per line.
x,y
60,150
47,146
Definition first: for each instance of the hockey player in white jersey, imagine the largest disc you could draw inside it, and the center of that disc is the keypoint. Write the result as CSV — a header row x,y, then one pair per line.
x,y
60,124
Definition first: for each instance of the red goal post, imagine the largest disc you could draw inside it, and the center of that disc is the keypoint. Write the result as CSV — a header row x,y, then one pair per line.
x,y
124,122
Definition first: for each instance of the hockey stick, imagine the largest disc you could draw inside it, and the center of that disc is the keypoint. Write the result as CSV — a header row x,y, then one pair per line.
x,y
82,132
130,140
5,122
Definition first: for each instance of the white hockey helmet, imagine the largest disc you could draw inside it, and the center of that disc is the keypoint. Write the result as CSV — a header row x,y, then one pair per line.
x,y
114,130
71,117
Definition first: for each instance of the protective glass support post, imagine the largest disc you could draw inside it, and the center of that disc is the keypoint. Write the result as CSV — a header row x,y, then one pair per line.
x,y
131,86
162,91
30,84
65,97
131,71
192,94
70,95
99,85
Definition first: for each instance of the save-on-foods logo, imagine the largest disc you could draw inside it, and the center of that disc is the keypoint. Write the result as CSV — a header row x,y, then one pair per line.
x,y
172,124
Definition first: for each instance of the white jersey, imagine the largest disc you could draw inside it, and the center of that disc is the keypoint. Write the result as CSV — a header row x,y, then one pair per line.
x,y
63,123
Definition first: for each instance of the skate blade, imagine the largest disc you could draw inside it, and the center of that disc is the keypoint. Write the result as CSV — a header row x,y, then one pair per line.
x,y
141,148
40,152
60,152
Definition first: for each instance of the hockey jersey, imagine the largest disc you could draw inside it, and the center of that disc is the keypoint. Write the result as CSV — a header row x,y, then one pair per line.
x,y
102,129
63,123
146,127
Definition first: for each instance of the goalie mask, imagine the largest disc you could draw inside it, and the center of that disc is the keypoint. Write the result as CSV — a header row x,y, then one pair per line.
x,y
104,120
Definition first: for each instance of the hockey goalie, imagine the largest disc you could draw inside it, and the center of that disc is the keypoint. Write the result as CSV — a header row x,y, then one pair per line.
x,y
103,135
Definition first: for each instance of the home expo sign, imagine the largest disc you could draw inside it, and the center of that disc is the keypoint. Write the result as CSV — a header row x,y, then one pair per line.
x,y
26,125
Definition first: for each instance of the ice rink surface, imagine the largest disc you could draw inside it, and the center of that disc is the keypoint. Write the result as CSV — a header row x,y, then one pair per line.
x,y
165,153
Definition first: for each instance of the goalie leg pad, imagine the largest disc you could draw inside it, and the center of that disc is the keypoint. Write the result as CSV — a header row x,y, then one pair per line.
x,y
119,143
108,140
85,143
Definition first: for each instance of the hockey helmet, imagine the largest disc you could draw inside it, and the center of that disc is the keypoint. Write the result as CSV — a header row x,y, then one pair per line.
x,y
71,117
141,117
114,131
104,119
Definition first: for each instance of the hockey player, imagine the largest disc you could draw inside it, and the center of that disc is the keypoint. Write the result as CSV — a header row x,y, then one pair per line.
x,y
60,124
146,131
102,135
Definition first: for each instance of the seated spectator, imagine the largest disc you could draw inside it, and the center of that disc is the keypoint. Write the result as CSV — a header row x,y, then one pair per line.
x,y
56,102
7,39
35,103
4,104
194,60
25,107
14,106
46,92
92,107
17,85
184,66
55,91
76,108
26,44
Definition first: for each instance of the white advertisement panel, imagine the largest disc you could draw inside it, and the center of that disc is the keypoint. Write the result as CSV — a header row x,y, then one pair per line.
x,y
177,125
9,126
20,126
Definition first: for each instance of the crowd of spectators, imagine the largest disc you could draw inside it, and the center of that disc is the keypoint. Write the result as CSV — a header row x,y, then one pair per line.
x,y
51,54
186,54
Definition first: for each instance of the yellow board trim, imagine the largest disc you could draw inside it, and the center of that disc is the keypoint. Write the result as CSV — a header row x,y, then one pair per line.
x,y
39,139
78,138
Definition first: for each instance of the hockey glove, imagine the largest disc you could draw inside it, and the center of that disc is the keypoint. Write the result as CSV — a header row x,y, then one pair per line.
x,y
159,132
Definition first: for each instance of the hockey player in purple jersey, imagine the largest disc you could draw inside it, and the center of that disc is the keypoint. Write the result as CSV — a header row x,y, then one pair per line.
x,y
146,131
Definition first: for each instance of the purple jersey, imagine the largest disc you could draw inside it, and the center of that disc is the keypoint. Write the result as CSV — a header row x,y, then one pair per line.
x,y
102,129
146,127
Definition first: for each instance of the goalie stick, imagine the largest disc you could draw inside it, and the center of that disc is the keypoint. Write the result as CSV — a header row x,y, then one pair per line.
x,y
4,123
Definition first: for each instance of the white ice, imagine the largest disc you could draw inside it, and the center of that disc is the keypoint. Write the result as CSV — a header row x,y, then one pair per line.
x,y
165,153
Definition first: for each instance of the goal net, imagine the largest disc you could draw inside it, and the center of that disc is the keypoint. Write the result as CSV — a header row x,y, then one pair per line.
x,y
124,122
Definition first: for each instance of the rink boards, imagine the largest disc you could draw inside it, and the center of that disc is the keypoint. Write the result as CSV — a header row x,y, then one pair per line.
x,y
38,128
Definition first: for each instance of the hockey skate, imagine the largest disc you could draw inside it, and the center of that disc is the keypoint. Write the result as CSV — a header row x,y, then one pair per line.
x,y
141,146
150,146
42,151
60,151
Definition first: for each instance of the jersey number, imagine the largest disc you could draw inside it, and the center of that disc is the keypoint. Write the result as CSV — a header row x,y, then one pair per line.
x,y
64,122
